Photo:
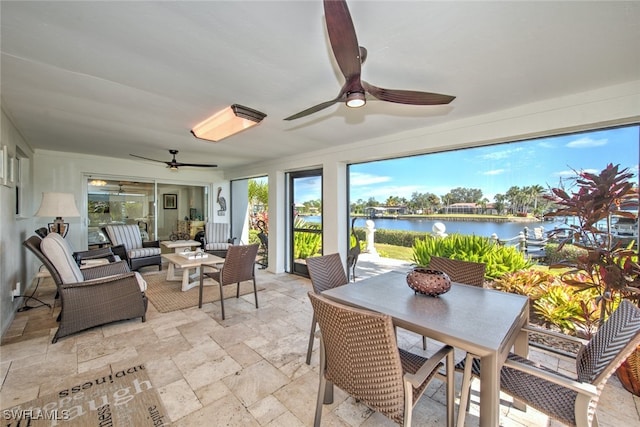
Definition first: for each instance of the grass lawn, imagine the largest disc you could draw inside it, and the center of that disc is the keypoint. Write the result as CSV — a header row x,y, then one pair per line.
x,y
395,252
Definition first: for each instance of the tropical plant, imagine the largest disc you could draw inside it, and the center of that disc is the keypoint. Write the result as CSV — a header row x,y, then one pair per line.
x,y
499,260
306,243
606,267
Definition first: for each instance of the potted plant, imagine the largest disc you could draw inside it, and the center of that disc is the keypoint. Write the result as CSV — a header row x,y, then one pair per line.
x,y
605,264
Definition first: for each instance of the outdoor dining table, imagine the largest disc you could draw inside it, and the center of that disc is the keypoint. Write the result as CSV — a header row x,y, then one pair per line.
x,y
484,322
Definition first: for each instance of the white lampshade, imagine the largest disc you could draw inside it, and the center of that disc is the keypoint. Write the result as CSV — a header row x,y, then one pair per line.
x,y
58,205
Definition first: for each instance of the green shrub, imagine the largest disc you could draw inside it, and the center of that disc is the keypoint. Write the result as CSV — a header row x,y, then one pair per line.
x,y
571,311
499,260
525,282
567,253
398,237
306,244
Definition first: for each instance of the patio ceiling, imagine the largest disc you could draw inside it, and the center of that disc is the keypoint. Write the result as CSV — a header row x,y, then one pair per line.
x,y
120,78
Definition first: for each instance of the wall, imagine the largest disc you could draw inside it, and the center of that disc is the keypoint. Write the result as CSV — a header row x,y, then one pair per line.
x,y
13,230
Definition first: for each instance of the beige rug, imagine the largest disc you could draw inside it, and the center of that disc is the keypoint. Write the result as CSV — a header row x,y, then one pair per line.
x,y
168,296
123,398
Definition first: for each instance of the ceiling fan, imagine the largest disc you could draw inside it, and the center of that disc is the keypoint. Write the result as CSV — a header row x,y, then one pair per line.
x,y
174,164
350,57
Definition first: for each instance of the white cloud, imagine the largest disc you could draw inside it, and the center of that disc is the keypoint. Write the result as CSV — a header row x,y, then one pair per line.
x,y
586,142
494,172
503,154
572,173
357,179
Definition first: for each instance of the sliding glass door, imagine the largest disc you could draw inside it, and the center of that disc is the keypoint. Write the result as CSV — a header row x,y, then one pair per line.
x,y
305,219
119,202
180,208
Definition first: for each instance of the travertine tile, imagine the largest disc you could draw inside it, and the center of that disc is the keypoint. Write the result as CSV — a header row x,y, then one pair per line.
x,y
255,382
267,410
179,400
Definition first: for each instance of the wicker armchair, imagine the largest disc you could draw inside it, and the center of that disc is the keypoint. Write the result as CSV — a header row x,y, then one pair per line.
x,y
239,266
571,401
92,296
128,245
326,272
359,354
217,238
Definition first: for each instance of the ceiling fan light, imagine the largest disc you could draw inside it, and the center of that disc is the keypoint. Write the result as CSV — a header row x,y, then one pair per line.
x,y
173,167
356,99
227,122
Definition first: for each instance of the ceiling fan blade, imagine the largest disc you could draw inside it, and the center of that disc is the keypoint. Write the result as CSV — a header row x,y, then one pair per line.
x,y
314,109
410,97
195,165
146,158
342,35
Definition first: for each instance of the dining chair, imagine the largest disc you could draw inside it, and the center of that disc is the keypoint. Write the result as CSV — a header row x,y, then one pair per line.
x,y
360,355
239,266
326,272
570,400
466,272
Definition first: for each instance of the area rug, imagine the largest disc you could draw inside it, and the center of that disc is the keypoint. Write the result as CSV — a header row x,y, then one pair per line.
x,y
124,398
168,296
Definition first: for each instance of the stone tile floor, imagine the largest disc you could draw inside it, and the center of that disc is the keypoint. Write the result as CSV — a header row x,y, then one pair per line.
x,y
248,370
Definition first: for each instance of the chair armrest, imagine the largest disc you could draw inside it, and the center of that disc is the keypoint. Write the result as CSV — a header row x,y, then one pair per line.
x,y
103,280
119,250
102,253
581,388
554,334
151,244
111,269
429,366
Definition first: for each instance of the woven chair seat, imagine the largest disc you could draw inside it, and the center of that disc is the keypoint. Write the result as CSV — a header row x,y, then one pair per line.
x,y
545,396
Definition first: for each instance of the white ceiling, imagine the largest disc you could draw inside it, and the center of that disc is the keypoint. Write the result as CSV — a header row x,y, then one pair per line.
x,y
118,78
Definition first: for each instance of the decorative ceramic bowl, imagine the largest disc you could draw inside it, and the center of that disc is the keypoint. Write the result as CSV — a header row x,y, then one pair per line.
x,y
428,282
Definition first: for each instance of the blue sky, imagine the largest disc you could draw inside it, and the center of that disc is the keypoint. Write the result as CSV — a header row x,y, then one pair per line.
x,y
494,169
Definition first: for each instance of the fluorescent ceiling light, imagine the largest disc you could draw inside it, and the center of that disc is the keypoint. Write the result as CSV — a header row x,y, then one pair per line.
x,y
227,122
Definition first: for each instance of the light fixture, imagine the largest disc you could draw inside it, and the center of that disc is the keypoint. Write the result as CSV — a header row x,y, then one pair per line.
x,y
355,99
58,205
98,182
227,122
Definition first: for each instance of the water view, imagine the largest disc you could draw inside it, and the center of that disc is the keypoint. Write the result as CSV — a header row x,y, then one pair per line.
x,y
504,230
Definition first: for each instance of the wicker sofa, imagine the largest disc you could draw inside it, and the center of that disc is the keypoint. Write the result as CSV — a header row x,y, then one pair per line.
x,y
92,296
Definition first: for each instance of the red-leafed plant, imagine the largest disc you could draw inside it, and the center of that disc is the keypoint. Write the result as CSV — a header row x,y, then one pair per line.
x,y
606,265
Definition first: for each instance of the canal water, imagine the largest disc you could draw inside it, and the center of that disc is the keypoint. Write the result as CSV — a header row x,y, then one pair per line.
x,y
504,230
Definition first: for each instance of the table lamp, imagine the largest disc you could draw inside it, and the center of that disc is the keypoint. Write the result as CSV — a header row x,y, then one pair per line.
x,y
58,205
